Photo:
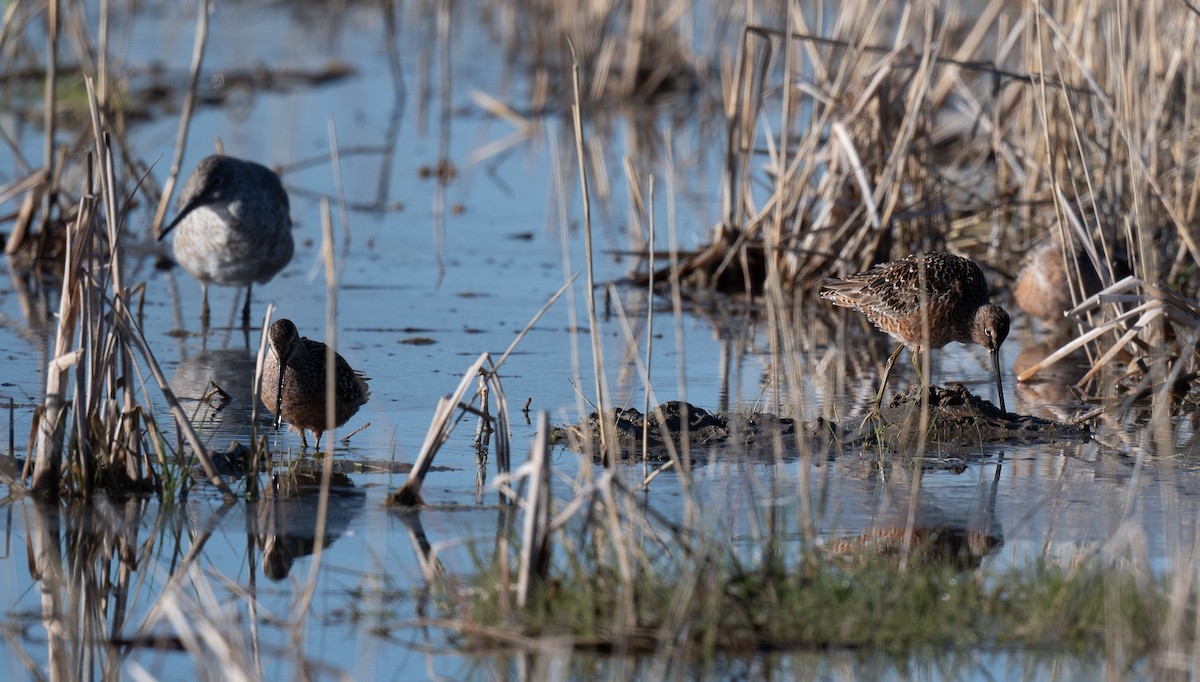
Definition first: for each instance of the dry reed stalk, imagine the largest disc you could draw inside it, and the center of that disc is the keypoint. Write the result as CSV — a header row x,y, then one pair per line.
x,y
619,539
501,429
260,359
49,119
607,446
775,237
102,54
409,494
31,185
685,458
649,327
331,397
185,115
487,372
643,368
331,277
536,548
483,426
51,421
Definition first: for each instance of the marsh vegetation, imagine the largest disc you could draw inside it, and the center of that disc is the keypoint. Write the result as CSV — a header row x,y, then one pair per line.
x,y
607,223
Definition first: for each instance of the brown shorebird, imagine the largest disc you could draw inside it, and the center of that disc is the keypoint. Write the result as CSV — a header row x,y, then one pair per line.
x,y
293,384
1047,280
234,226
926,301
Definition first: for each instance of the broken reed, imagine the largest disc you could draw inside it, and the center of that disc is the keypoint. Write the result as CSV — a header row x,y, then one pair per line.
x,y
100,429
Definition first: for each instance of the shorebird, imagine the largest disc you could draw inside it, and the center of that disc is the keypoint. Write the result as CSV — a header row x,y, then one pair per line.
x,y
1047,279
926,301
234,226
293,384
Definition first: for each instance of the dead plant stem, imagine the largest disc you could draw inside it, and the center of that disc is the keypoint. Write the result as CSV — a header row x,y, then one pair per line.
x,y
49,119
185,115
607,451
649,326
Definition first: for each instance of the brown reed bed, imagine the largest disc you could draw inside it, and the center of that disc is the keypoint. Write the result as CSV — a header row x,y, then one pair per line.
x,y
985,137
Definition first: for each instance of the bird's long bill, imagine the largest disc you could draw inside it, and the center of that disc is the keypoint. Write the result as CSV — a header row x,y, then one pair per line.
x,y
279,395
999,384
179,217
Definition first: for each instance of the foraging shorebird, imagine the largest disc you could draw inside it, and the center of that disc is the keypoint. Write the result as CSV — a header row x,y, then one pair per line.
x,y
1044,287
926,301
293,384
234,227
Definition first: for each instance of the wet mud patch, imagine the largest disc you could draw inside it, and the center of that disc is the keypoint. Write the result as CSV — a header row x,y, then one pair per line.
x,y
952,414
949,415
753,433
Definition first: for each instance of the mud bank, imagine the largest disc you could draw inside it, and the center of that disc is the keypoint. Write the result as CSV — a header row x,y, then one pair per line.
x,y
949,415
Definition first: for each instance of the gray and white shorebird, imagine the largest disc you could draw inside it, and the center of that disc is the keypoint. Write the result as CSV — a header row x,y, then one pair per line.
x,y
293,383
234,226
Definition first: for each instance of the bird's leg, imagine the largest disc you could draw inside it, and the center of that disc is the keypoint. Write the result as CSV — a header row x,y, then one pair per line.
x,y
887,371
204,305
916,360
303,440
246,307
874,412
319,434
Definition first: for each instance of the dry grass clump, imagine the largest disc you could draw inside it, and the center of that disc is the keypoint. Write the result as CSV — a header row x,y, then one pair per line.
x,y
96,413
888,134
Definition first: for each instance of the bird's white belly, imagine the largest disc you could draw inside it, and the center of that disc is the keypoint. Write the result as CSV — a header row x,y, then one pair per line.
x,y
208,248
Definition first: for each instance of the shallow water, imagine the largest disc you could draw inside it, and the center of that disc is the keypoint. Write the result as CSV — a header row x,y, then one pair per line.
x,y
469,280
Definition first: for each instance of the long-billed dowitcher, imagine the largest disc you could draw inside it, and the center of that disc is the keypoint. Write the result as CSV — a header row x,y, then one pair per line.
x,y
926,301
293,385
1047,279
234,226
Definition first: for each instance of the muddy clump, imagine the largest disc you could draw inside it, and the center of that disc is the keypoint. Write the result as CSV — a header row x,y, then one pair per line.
x,y
743,433
955,415
950,415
